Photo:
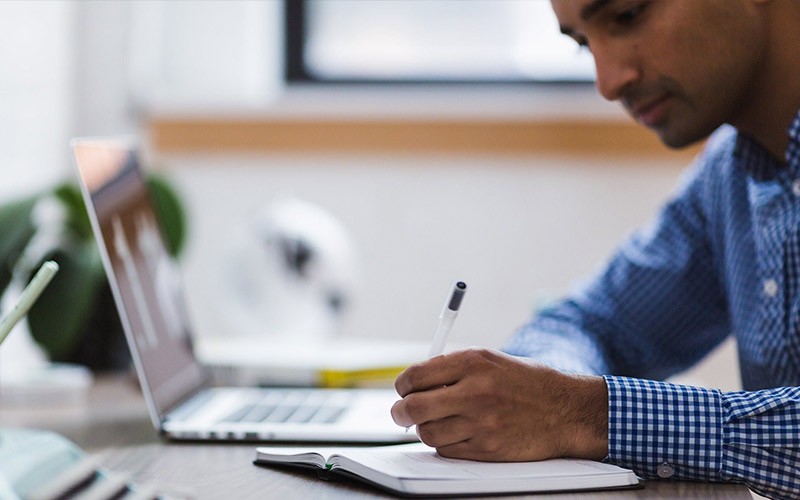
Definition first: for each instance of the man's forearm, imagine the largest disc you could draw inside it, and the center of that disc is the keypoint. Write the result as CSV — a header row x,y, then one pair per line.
x,y
584,413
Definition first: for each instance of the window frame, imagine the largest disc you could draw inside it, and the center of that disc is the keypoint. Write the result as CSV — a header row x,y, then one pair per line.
x,y
295,28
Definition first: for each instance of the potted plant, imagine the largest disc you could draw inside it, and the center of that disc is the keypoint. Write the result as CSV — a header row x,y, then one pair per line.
x,y
75,319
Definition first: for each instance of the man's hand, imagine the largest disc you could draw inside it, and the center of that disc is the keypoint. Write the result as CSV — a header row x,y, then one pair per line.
x,y
482,404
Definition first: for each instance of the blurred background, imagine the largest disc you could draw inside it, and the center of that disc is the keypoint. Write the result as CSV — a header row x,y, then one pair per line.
x,y
446,139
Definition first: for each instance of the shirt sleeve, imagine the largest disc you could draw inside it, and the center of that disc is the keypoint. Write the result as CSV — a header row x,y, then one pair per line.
x,y
656,308
663,430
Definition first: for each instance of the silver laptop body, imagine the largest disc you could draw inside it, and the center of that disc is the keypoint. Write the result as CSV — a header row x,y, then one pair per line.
x,y
149,297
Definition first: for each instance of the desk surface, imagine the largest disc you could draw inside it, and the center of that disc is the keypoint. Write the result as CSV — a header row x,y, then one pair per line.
x,y
113,425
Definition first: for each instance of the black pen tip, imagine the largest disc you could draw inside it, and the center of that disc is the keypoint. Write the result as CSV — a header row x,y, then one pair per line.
x,y
458,295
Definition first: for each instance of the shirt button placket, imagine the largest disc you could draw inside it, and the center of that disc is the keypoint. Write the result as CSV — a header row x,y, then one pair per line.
x,y
770,288
796,187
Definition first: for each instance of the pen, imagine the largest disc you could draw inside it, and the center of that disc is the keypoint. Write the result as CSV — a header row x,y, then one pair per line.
x,y
448,317
28,297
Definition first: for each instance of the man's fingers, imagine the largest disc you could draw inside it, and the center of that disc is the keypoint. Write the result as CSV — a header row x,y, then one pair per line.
x,y
425,406
399,414
445,431
438,371
464,450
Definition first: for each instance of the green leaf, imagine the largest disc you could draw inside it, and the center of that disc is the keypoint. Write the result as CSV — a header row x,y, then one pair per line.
x,y
58,318
16,230
77,219
170,214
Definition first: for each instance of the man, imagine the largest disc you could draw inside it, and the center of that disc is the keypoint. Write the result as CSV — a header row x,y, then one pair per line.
x,y
722,257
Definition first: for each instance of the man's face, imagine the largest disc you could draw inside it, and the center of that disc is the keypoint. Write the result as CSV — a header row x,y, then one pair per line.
x,y
680,67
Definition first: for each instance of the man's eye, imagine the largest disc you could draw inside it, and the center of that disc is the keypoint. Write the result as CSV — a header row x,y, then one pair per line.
x,y
583,44
628,16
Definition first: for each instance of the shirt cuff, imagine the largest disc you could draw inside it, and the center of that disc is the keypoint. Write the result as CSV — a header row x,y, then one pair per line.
x,y
663,430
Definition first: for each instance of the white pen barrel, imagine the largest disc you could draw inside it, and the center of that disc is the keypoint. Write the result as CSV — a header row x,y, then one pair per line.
x,y
440,339
28,297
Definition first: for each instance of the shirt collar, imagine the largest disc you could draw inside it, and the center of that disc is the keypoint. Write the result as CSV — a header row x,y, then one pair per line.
x,y
759,163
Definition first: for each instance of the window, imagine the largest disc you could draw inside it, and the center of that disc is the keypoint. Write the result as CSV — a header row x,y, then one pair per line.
x,y
430,41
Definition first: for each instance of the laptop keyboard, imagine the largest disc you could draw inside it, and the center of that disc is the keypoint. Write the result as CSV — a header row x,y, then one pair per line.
x,y
290,407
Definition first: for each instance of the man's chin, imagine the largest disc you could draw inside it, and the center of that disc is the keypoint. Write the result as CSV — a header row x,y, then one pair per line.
x,y
678,139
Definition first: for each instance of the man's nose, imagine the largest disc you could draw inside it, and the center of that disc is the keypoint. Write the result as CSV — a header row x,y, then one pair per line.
x,y
616,71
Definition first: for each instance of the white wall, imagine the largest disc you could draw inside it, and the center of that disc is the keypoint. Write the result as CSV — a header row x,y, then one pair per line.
x,y
205,55
102,97
36,58
515,228
134,58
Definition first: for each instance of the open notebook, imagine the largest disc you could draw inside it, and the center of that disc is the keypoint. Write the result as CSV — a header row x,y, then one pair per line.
x,y
417,470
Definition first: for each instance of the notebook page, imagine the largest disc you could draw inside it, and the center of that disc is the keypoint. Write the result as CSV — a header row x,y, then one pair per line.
x,y
417,461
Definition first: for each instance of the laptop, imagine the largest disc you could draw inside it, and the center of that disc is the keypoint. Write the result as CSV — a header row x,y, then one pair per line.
x,y
145,282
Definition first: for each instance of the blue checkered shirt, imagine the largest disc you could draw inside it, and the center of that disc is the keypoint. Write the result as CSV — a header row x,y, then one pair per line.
x,y
721,258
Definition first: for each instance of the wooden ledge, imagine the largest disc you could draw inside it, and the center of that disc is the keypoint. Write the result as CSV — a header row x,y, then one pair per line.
x,y
413,136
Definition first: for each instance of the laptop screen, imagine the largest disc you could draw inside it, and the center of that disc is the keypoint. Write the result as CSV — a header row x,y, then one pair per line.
x,y
143,276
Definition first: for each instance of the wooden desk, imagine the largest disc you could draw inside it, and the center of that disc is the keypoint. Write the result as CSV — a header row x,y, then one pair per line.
x,y
115,427
225,471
